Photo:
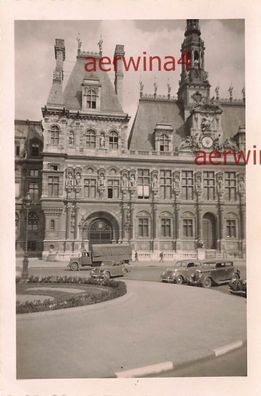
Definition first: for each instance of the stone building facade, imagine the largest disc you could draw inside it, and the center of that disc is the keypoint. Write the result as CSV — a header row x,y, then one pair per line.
x,y
99,185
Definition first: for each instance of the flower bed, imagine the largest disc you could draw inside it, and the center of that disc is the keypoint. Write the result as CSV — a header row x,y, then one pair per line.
x,y
108,289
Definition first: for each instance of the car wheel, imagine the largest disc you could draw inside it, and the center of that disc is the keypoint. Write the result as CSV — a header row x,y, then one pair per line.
x,y
236,276
106,275
207,282
179,280
74,267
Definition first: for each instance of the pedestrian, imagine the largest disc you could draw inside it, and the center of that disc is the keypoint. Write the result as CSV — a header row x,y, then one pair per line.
x,y
136,256
161,257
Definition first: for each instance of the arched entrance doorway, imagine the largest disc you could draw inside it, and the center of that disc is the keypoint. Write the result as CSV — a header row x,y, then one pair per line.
x,y
100,227
100,231
209,231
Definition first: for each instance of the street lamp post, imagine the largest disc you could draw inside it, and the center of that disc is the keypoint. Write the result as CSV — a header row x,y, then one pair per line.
x,y
27,203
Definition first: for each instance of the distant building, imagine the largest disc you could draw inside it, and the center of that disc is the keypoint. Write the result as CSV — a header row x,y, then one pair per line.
x,y
94,184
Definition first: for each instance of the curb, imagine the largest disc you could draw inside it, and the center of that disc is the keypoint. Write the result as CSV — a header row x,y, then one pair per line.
x,y
162,367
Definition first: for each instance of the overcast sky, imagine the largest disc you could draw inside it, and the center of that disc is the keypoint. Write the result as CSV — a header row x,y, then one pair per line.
x,y
35,62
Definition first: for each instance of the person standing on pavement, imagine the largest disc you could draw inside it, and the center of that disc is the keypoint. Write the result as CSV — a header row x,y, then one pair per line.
x,y
161,257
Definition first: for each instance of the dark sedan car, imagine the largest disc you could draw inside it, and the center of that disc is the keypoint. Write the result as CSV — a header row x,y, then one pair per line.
x,y
216,273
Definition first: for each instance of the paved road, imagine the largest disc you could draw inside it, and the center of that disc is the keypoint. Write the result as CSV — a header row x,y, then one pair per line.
x,y
148,273
153,323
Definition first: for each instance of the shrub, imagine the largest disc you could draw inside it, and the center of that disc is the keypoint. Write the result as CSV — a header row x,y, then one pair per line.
x,y
115,289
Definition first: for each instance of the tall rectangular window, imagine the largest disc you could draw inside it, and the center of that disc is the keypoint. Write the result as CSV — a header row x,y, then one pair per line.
x,y
209,184
143,183
33,190
113,188
187,184
53,186
143,227
90,188
165,227
33,172
231,228
165,184
230,185
188,227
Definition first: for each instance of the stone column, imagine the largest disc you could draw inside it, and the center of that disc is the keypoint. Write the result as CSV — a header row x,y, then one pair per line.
x,y
76,231
220,225
68,220
242,214
125,224
154,226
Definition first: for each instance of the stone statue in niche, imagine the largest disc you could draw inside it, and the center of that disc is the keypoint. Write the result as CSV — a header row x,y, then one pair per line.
x,y
124,181
206,123
69,179
71,138
132,181
102,181
78,178
155,182
176,183
102,141
198,183
241,185
220,185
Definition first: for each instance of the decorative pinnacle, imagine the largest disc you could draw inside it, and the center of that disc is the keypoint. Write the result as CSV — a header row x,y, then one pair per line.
x,y
155,85
78,38
100,42
169,89
141,89
217,93
230,90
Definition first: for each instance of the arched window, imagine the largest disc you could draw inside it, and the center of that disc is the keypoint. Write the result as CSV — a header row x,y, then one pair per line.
x,y
55,131
33,222
164,143
71,138
91,99
113,140
52,225
90,139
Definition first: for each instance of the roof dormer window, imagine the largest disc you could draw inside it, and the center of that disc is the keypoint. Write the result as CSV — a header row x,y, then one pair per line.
x,y
91,99
91,94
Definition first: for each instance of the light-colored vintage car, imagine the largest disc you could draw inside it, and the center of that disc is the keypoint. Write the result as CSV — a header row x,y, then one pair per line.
x,y
180,271
217,272
109,270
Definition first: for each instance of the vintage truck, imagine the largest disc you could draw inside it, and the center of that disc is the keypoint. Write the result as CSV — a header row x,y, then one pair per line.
x,y
101,254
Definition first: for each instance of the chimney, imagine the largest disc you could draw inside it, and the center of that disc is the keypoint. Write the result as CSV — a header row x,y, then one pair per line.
x,y
56,95
118,67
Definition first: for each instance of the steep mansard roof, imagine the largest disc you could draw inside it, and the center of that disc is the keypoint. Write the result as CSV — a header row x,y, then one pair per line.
x,y
72,95
28,129
150,112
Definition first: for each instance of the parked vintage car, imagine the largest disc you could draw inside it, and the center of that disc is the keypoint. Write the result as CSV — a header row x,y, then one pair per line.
x,y
180,271
109,269
216,272
238,287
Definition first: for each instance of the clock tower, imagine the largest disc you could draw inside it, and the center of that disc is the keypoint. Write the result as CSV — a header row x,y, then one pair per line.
x,y
194,78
